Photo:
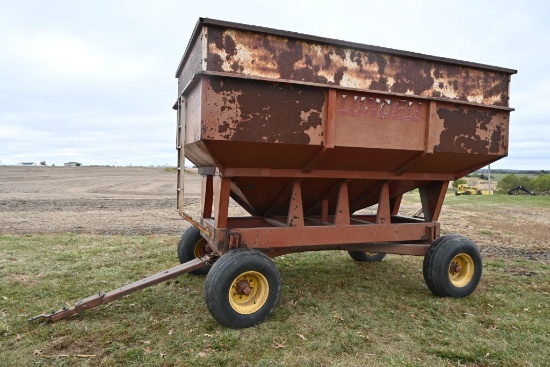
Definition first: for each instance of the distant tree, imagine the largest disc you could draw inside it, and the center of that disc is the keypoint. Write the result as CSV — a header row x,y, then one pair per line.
x,y
460,181
511,181
483,177
542,183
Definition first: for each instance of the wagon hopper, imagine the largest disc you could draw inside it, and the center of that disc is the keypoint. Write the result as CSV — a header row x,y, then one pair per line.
x,y
303,132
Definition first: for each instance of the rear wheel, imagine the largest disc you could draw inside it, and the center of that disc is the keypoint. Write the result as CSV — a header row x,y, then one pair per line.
x,y
369,257
242,288
191,246
452,266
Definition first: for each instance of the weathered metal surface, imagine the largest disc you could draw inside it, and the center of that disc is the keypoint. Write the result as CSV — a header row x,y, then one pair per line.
x,y
267,53
375,121
251,111
330,237
253,54
471,131
336,227
270,108
194,61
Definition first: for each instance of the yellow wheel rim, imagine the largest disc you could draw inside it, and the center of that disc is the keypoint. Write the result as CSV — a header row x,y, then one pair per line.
x,y
199,248
461,270
258,291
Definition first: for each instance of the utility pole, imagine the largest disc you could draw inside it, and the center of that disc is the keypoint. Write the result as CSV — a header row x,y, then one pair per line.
x,y
489,179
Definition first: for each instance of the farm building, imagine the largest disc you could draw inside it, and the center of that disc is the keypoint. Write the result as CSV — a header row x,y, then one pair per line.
x,y
73,164
26,164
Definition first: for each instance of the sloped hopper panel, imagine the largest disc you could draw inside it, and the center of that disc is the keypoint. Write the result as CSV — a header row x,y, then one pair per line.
x,y
292,105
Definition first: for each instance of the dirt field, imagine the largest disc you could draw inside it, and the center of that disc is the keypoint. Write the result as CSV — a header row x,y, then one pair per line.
x,y
142,201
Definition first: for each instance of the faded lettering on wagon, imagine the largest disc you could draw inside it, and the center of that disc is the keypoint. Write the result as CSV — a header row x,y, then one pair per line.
x,y
381,108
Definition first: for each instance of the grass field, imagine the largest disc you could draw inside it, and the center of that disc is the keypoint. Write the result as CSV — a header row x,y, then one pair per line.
x,y
486,203
332,311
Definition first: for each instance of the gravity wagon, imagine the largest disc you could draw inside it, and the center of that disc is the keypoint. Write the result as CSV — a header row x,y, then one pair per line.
x,y
303,133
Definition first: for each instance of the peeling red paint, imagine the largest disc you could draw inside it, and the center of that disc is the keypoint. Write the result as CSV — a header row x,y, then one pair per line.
x,y
255,111
472,131
268,108
271,56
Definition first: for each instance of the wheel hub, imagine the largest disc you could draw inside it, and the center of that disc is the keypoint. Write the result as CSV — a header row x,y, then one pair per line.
x,y
248,292
461,270
243,288
201,248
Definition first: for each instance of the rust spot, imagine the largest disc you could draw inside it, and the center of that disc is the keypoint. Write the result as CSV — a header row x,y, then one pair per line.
x,y
339,75
455,85
266,112
276,57
215,63
413,76
230,46
357,58
496,90
438,74
380,84
380,61
328,61
224,127
340,52
462,129
498,140
287,58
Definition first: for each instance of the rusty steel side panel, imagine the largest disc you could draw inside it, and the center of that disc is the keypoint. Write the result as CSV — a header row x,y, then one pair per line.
x,y
195,149
193,114
376,121
195,61
459,129
258,54
252,111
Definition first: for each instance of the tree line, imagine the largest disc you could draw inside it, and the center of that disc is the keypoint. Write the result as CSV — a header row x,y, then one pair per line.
x,y
539,184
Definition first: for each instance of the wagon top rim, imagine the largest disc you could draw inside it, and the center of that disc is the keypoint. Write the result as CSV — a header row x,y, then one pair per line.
x,y
331,41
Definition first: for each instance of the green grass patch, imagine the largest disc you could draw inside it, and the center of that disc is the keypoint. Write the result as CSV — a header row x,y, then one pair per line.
x,y
486,203
487,232
333,311
497,202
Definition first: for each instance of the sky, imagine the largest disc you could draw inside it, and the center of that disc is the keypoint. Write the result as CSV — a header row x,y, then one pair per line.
x,y
94,81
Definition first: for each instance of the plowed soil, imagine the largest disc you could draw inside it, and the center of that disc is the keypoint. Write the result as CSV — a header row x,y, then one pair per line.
x,y
142,201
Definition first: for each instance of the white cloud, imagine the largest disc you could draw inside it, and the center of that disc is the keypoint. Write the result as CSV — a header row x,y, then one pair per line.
x,y
65,58
94,82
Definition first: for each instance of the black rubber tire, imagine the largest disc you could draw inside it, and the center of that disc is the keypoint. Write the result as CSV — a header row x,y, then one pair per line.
x,y
438,260
365,257
467,193
225,271
187,244
439,242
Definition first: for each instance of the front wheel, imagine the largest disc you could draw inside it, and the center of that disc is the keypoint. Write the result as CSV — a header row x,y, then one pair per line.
x,y
191,246
452,266
242,288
